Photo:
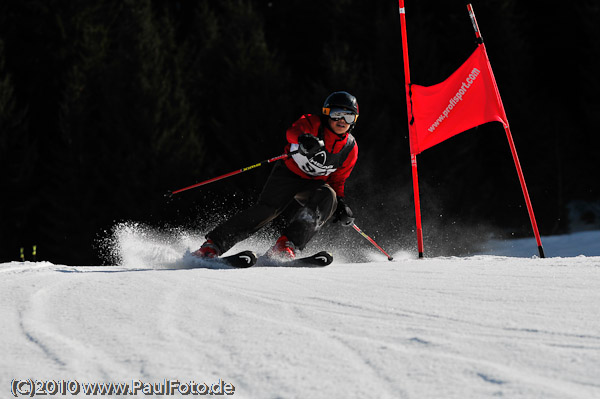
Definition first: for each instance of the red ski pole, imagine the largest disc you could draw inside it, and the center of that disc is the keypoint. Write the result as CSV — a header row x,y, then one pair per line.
x,y
235,172
372,241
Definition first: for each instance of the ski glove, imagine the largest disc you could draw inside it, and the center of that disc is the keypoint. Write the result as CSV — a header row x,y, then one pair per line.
x,y
309,145
343,213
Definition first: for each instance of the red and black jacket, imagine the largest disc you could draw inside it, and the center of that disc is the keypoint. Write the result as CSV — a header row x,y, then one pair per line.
x,y
333,164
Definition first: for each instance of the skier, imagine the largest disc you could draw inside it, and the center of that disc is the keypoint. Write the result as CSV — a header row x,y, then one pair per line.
x,y
324,154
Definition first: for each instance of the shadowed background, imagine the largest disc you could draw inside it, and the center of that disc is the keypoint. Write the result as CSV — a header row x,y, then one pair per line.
x,y
106,105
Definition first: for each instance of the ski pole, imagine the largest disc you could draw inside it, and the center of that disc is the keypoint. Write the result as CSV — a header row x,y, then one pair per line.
x,y
371,241
235,172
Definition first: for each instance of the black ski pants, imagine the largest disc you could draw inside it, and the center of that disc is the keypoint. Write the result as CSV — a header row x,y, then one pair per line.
x,y
318,202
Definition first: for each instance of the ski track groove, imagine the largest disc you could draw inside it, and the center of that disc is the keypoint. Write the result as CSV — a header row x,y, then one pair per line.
x,y
344,339
302,321
44,312
38,342
481,329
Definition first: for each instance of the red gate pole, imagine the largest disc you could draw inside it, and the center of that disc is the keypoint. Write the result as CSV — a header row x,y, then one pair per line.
x,y
534,226
511,143
411,132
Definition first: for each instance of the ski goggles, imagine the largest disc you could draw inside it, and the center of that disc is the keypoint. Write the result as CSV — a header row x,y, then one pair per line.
x,y
336,114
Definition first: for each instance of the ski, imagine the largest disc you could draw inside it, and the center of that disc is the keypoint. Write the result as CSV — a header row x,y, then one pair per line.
x,y
238,260
245,259
320,259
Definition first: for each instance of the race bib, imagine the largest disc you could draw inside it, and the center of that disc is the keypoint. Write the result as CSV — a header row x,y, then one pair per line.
x,y
317,165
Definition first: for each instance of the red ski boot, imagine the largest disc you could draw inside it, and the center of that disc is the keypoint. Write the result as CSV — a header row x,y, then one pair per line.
x,y
208,250
283,249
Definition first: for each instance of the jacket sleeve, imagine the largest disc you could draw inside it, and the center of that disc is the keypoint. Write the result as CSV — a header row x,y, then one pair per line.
x,y
301,126
337,179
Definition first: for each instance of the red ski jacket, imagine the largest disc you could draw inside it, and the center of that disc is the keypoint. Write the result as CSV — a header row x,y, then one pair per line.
x,y
333,164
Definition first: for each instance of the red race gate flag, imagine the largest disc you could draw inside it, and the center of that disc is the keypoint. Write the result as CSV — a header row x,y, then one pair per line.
x,y
468,98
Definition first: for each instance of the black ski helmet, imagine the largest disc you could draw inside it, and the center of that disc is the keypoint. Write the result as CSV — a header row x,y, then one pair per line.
x,y
341,99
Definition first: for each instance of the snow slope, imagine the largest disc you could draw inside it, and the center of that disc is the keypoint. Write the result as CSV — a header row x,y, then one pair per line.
x,y
474,327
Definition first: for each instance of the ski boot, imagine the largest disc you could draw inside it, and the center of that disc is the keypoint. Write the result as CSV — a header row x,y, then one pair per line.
x,y
208,250
283,249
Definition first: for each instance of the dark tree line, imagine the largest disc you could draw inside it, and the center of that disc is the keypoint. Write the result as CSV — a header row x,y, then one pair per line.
x,y
106,105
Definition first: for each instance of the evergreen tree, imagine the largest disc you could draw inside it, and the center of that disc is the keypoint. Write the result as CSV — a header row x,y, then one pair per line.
x,y
17,158
237,86
124,124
